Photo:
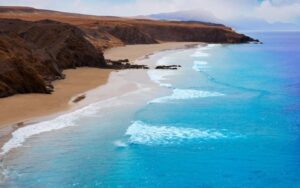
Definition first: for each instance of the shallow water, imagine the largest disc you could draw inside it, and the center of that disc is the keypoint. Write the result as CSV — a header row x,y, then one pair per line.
x,y
229,117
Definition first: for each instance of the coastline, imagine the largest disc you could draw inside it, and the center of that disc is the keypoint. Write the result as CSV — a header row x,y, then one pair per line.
x,y
139,51
92,83
23,108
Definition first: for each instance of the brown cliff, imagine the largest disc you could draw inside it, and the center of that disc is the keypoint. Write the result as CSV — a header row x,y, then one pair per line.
x,y
34,52
107,31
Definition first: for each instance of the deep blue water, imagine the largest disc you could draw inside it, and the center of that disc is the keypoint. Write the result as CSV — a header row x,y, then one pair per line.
x,y
230,117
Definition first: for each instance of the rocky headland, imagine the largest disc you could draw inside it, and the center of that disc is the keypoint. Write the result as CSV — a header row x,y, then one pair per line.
x,y
34,51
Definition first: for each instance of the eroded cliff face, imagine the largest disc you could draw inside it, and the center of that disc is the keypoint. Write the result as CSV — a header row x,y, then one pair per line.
x,y
106,32
150,32
193,33
32,54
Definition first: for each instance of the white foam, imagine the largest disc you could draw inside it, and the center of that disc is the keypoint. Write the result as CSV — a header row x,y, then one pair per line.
x,y
199,65
20,135
120,144
183,94
202,50
66,120
200,53
142,133
159,76
210,46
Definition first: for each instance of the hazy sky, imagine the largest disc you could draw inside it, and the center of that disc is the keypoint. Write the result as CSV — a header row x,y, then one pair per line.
x,y
287,11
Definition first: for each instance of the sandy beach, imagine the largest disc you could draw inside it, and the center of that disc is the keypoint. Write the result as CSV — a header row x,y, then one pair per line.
x,y
28,107
134,52
25,107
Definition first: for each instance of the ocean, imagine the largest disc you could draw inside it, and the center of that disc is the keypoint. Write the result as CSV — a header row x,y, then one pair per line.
x,y
229,117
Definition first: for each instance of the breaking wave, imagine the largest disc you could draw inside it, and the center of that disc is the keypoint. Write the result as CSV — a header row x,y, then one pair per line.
x,y
200,53
66,120
145,134
183,94
120,144
159,76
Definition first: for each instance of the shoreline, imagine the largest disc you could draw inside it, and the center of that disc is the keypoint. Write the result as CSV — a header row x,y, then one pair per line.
x,y
91,87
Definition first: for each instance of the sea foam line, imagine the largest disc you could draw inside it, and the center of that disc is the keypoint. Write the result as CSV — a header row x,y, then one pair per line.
x,y
159,76
66,120
20,135
200,53
145,134
209,47
184,94
202,50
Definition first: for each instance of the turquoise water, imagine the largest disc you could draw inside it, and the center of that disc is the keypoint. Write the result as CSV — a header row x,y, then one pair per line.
x,y
229,117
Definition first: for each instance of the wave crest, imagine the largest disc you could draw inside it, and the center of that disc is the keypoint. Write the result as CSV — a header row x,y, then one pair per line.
x,y
20,135
66,120
200,53
202,50
159,76
183,94
142,133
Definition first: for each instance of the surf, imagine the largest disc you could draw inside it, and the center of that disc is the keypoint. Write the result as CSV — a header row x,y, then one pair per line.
x,y
186,94
147,134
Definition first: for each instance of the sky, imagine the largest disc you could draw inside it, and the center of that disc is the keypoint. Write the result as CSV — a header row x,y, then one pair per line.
x,y
272,11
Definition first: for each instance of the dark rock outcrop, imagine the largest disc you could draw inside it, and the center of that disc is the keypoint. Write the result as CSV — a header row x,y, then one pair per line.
x,y
79,98
32,54
168,67
123,64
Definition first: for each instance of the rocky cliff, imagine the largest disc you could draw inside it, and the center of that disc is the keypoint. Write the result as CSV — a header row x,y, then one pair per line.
x,y
106,32
34,52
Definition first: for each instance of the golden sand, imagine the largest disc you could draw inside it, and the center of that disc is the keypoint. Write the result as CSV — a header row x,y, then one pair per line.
x,y
27,107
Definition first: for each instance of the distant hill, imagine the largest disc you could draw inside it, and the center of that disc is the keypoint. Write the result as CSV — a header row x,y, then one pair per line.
x,y
191,15
258,24
238,24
